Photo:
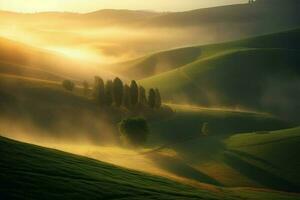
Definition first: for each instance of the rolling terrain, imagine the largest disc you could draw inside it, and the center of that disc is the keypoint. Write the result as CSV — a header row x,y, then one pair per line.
x,y
226,127
145,31
42,112
221,74
26,101
260,159
28,61
32,172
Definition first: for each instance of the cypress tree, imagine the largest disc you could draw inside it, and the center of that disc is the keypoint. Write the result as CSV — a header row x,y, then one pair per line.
x,y
99,90
142,96
126,97
151,98
134,93
157,98
109,93
117,92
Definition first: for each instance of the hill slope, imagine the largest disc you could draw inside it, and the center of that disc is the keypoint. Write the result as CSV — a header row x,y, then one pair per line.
x,y
24,60
32,172
117,35
157,63
44,105
258,73
259,159
272,152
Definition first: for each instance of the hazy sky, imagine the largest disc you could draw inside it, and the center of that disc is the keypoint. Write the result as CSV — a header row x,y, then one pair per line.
x,y
92,5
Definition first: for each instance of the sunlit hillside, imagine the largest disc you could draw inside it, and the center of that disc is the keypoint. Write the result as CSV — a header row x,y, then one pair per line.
x,y
25,60
181,99
221,73
107,36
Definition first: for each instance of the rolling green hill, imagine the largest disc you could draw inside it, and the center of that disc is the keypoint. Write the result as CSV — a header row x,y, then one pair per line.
x,y
259,73
45,105
42,109
252,17
32,172
154,64
260,159
45,109
273,153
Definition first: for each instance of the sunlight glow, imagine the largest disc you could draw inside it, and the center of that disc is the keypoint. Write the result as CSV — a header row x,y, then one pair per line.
x,y
83,6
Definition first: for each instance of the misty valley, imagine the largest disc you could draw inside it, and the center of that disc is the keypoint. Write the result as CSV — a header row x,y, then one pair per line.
x,y
142,104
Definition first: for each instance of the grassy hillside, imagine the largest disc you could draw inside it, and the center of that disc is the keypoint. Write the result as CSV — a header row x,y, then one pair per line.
x,y
157,63
259,73
251,17
32,172
48,107
274,153
45,109
167,60
21,59
262,159
188,120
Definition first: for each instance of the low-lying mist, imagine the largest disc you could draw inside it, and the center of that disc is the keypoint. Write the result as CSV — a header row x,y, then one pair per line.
x,y
107,148
105,45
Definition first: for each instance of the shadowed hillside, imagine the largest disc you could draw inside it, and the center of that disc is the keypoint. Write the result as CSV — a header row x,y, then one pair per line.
x,y
32,172
260,159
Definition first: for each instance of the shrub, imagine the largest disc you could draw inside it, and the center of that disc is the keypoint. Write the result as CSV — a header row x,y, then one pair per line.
x,y
205,129
134,131
68,85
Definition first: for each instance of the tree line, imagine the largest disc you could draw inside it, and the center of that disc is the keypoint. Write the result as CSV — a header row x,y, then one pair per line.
x,y
116,93
119,94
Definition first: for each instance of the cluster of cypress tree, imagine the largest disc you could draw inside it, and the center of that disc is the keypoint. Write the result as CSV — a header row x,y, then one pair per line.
x,y
115,92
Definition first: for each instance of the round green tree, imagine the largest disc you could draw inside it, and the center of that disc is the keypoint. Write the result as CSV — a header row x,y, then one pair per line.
x,y
68,85
134,131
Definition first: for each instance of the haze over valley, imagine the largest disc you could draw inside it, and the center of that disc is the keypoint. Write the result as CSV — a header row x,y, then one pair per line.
x,y
131,103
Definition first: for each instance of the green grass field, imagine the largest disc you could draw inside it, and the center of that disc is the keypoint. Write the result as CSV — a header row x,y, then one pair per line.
x,y
220,76
274,153
32,172
261,159
245,149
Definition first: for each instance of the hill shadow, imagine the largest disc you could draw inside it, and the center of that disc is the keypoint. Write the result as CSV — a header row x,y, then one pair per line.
x,y
252,157
180,168
258,174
